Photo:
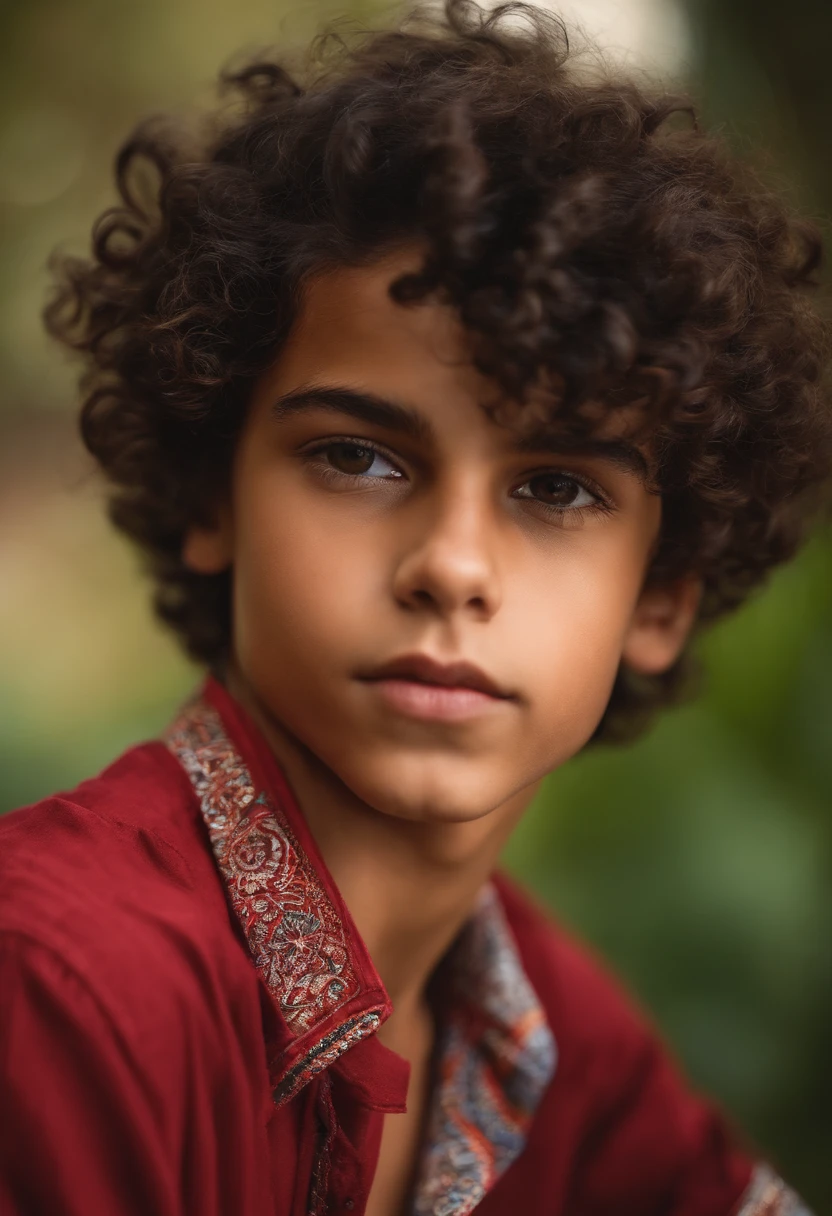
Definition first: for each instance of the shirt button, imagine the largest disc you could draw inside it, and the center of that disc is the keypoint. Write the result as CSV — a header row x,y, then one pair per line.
x,y
349,1204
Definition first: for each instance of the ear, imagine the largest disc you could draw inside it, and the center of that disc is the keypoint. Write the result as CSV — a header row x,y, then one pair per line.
x,y
660,626
208,548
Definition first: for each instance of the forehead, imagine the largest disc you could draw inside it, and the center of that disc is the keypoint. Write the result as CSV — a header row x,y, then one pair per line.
x,y
347,323
349,331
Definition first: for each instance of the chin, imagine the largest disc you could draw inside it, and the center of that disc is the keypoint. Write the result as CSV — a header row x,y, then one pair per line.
x,y
428,791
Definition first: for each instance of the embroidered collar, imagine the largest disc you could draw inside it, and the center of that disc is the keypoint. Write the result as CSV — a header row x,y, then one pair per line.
x,y
295,934
496,1055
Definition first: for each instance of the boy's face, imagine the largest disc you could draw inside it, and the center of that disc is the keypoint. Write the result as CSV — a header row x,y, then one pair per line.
x,y
432,610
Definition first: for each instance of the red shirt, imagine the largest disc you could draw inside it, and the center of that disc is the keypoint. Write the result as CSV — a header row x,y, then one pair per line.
x,y
188,1017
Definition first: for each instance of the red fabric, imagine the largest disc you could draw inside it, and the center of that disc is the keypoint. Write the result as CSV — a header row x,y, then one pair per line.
x,y
135,1036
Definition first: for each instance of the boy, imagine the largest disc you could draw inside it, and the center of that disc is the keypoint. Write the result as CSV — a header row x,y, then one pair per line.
x,y
444,395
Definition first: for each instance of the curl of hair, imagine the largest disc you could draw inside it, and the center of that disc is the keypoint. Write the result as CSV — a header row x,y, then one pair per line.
x,y
586,241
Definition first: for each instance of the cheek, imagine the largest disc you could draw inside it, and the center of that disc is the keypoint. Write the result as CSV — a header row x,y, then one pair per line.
x,y
300,582
572,632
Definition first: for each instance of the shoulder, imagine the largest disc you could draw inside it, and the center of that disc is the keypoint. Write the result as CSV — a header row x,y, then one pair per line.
x,y
126,829
115,881
585,1004
128,996
641,1139
608,1052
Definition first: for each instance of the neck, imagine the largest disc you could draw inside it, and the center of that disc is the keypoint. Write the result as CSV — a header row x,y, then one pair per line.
x,y
409,886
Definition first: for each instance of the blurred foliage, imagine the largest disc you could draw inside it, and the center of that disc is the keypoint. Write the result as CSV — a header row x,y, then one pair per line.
x,y
699,862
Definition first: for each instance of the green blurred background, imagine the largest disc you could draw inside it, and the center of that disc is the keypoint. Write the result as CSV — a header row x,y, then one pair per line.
x,y
699,862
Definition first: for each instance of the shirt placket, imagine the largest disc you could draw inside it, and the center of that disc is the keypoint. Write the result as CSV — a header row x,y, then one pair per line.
x,y
317,1202
349,1146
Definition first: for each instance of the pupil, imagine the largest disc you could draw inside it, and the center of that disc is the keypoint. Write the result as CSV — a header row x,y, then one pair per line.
x,y
351,457
559,491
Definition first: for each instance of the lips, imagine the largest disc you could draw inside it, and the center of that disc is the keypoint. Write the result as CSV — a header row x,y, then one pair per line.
x,y
422,669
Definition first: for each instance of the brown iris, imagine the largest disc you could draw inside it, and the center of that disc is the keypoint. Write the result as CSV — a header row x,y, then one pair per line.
x,y
351,457
554,488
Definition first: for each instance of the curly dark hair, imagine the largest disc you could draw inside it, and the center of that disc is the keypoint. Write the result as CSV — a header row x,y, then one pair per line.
x,y
585,240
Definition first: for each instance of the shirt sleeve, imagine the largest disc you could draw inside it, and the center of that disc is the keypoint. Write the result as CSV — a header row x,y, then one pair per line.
x,y
77,1126
672,1153
768,1195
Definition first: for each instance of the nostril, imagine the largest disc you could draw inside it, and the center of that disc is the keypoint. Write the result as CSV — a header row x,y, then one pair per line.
x,y
421,598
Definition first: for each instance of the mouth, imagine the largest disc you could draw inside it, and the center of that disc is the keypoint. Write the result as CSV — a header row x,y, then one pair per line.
x,y
421,687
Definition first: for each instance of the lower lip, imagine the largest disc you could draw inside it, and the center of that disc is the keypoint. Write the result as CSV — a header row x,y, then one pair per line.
x,y
435,702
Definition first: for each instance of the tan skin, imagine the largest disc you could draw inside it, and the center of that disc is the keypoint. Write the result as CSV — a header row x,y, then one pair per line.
x,y
358,535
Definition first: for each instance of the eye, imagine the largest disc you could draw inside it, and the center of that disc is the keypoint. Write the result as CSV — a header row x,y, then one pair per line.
x,y
557,490
357,459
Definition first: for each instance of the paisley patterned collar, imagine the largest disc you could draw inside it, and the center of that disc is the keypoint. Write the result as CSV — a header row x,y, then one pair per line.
x,y
496,1055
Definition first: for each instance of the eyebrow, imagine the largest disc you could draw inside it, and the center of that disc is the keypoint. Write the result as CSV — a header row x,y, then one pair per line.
x,y
403,420
617,452
365,406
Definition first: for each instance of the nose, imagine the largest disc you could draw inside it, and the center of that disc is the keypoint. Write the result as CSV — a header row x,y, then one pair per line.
x,y
451,565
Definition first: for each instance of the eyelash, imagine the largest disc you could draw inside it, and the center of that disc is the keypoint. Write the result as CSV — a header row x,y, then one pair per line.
x,y
602,505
